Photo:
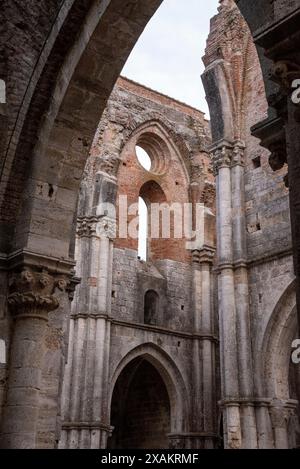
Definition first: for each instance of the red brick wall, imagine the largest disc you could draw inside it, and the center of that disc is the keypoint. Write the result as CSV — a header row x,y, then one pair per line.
x,y
173,185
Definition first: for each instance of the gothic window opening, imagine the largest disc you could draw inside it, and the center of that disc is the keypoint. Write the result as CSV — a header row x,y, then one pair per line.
x,y
143,230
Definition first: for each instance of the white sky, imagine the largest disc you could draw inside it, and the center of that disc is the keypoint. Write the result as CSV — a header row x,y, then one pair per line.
x,y
168,55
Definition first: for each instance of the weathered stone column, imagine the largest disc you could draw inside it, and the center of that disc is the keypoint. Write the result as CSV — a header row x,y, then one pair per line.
x,y
247,409
85,423
222,158
204,350
208,346
31,298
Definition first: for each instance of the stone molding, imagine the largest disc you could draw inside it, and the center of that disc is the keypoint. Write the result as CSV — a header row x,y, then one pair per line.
x,y
280,410
146,327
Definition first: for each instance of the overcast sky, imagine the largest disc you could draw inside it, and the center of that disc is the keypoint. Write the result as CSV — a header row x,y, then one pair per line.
x,y
168,55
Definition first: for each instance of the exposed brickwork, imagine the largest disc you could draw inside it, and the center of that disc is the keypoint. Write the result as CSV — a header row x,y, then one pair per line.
x,y
137,115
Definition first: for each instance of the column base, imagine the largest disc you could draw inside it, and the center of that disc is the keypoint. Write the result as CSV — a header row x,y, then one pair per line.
x,y
85,435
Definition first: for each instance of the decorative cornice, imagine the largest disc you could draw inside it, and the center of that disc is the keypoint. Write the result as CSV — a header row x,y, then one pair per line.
x,y
18,259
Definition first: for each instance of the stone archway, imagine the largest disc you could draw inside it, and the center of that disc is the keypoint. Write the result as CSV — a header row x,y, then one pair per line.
x,y
170,379
140,408
278,374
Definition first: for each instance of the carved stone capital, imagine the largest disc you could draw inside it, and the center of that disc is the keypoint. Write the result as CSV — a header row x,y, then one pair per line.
x,y
204,256
32,292
238,154
222,157
96,226
227,154
87,226
107,228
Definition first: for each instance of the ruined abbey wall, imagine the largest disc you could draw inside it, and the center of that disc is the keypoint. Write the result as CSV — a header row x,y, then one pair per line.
x,y
115,281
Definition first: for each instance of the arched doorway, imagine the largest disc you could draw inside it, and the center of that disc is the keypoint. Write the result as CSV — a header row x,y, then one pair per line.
x,y
140,408
280,375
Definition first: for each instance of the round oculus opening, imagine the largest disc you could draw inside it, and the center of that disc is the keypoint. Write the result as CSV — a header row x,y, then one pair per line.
x,y
143,158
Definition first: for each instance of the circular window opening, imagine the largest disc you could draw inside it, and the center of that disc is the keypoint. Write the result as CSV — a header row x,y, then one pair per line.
x,y
143,158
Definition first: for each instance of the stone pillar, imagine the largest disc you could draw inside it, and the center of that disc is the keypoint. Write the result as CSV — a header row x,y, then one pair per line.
x,y
222,159
204,349
85,390
236,353
31,298
247,410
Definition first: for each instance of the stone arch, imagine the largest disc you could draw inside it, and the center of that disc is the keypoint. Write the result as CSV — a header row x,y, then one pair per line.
x,y
276,345
79,82
171,376
63,134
